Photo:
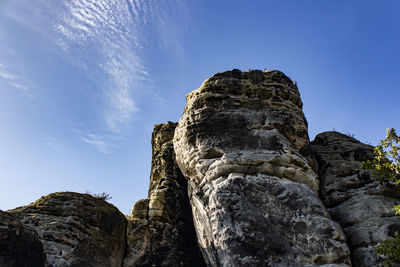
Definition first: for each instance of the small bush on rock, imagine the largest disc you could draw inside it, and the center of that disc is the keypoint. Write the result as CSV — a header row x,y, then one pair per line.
x,y
103,196
386,166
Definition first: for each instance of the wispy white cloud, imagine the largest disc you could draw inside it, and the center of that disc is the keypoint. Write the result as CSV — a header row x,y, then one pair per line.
x,y
6,75
55,145
107,30
19,86
97,141
15,81
114,33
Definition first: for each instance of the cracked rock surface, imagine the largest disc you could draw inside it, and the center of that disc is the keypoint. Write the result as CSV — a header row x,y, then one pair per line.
x,y
242,142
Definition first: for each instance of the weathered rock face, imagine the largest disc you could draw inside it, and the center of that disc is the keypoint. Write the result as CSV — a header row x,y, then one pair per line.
x,y
360,203
19,246
234,183
160,229
76,229
242,142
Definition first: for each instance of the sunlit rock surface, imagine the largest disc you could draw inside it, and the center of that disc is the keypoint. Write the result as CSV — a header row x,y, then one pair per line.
x,y
242,142
76,229
160,228
360,203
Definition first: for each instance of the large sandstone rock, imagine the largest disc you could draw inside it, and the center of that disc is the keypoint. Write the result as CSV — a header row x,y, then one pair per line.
x,y
360,203
242,142
76,229
160,229
19,246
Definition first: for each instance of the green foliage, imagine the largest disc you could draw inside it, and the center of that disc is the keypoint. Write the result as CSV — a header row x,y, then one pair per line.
x,y
103,196
386,166
397,209
391,249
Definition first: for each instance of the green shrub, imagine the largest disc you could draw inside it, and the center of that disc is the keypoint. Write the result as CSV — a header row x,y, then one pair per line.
x,y
386,167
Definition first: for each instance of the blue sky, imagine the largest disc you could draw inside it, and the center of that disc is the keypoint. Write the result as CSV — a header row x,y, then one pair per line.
x,y
83,82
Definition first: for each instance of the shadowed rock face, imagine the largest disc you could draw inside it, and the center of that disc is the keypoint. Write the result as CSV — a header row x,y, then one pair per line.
x,y
160,229
242,142
360,203
76,229
19,246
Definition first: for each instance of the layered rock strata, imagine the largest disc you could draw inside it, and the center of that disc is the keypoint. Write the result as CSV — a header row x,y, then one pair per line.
x,y
242,142
76,229
160,228
19,246
360,203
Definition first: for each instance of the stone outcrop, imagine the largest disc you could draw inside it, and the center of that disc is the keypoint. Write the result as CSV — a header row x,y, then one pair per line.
x,y
360,203
242,142
160,228
19,246
76,229
235,183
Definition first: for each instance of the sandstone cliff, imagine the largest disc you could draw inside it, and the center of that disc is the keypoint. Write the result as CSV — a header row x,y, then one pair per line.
x,y
235,183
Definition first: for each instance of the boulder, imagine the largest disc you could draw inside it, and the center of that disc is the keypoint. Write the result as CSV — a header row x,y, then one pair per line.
x,y
359,202
76,229
242,143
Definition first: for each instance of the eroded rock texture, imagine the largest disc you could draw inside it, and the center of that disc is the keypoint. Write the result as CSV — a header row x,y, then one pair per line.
x,y
19,246
160,229
76,229
242,142
360,203
247,173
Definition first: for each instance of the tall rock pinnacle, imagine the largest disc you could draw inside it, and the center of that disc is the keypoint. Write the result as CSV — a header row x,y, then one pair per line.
x,y
242,143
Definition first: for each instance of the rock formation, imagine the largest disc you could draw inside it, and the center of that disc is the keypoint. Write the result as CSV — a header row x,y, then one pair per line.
x,y
76,229
360,203
242,142
235,183
160,228
19,246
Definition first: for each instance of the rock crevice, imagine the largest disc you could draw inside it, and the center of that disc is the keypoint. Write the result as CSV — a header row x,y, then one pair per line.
x,y
160,228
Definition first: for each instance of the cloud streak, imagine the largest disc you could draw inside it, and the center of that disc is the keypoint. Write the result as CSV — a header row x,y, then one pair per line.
x,y
112,33
55,145
15,81
95,140
106,31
